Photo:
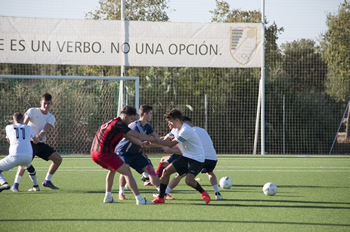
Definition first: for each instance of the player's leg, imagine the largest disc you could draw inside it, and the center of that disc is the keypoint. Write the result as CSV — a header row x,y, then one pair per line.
x,y
152,175
10,162
214,182
132,185
122,183
170,169
193,169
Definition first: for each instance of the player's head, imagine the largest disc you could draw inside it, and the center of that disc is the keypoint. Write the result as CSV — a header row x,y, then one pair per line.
x,y
187,120
46,102
128,114
174,118
146,112
18,117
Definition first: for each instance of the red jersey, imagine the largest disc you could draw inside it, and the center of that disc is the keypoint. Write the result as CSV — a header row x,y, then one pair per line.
x,y
109,135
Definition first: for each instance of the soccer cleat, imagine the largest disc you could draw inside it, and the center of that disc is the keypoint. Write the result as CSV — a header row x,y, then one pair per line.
x,y
204,170
206,197
109,200
49,184
14,188
5,186
218,196
122,196
147,184
168,197
143,202
144,179
158,200
34,189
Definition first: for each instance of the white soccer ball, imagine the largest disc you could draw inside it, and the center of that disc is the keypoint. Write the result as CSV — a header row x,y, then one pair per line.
x,y
270,189
225,182
127,186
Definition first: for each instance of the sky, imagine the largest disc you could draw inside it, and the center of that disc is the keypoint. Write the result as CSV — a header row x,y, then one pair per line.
x,y
299,18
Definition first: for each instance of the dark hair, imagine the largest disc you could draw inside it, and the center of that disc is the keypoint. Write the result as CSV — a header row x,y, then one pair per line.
x,y
129,110
46,96
174,114
185,118
145,109
18,116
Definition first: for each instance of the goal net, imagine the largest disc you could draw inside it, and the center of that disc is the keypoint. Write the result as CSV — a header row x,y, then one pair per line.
x,y
80,104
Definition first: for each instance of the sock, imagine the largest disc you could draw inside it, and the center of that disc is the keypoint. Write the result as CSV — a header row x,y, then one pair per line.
x,y
168,190
32,176
199,188
48,177
121,189
2,179
145,174
160,169
158,188
138,197
162,190
108,194
17,179
216,188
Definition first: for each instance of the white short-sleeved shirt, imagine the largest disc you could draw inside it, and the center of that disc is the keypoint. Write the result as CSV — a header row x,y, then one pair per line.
x,y
38,120
20,136
207,143
188,142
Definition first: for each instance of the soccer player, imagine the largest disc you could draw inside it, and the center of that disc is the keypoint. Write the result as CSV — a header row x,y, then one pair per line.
x,y
41,121
192,159
19,136
131,153
209,163
103,147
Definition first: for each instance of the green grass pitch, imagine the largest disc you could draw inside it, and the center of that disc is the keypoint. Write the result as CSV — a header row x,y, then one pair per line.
x,y
313,195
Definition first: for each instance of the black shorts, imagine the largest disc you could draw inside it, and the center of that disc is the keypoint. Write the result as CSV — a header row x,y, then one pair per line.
x,y
173,157
209,165
42,150
184,165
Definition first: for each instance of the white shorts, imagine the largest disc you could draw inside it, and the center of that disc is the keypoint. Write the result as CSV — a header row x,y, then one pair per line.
x,y
12,161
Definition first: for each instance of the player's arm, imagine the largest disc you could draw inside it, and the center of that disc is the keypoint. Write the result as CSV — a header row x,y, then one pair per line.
x,y
133,140
8,140
35,140
172,150
154,134
43,132
168,143
26,119
142,136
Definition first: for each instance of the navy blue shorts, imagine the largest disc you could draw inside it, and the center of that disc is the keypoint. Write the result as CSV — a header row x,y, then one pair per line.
x,y
137,162
184,165
173,157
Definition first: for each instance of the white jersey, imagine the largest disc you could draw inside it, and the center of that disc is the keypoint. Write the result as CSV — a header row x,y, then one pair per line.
x,y
207,143
38,120
188,142
20,136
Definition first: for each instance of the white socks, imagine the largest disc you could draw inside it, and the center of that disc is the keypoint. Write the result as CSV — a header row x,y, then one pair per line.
x,y
48,177
17,179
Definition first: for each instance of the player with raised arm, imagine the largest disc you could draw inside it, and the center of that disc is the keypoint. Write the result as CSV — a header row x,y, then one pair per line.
x,y
191,161
19,136
41,121
131,153
103,147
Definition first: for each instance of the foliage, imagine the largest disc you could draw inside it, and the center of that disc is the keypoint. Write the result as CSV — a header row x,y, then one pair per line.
x,y
304,65
135,10
335,50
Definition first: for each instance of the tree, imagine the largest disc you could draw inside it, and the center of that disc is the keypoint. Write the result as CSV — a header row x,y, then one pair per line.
x,y
335,49
304,65
135,10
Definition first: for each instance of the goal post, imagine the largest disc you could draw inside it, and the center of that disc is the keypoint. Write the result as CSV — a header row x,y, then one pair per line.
x,y
80,105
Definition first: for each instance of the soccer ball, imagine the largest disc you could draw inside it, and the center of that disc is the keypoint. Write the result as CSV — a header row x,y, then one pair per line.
x,y
225,182
127,186
270,189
